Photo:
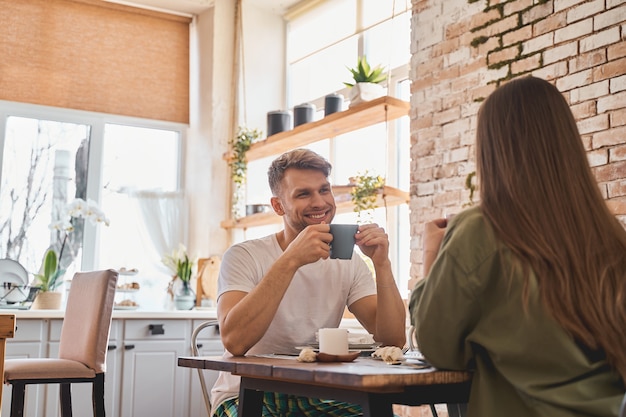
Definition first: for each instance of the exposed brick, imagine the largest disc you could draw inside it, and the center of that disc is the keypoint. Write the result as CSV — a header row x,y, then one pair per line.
x,y
610,70
586,140
609,18
456,128
598,157
538,43
458,154
600,39
583,110
575,80
516,6
594,124
430,66
471,66
616,188
617,84
506,54
518,35
457,56
537,12
573,31
447,198
446,116
480,19
618,118
445,47
587,60
549,24
617,153
526,64
612,102
561,52
565,4
502,26
610,172
611,137
589,92
616,51
457,29
422,122
589,8
550,72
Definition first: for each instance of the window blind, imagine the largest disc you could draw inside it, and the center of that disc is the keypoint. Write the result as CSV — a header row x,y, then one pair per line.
x,y
96,56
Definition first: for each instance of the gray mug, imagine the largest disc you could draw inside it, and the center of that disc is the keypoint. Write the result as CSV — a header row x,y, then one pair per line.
x,y
342,245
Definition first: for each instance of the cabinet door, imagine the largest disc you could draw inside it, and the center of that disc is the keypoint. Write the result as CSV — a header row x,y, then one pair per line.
x,y
152,382
33,406
27,343
209,344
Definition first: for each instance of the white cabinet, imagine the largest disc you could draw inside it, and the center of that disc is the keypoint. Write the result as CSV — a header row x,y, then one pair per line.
x,y
27,343
152,382
81,393
209,344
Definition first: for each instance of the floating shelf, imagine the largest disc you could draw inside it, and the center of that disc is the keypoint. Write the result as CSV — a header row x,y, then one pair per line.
x,y
362,115
387,197
359,116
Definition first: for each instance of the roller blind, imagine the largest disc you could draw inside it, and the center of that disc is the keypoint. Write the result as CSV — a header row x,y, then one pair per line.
x,y
96,56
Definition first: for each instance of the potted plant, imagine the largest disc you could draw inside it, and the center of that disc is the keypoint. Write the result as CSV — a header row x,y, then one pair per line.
x,y
364,193
181,265
239,166
470,184
366,84
49,278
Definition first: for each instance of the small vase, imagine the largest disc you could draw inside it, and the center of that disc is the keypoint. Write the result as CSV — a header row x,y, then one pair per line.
x,y
185,297
48,300
362,92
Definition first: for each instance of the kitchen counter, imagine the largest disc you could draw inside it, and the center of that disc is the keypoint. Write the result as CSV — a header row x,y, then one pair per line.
x,y
200,314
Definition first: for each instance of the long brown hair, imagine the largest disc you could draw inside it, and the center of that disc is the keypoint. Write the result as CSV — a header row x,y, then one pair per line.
x,y
539,194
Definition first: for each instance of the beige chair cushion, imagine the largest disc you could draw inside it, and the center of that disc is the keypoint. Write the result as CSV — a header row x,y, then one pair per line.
x,y
41,368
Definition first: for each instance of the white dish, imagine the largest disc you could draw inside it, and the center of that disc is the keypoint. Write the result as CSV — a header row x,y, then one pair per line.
x,y
125,307
12,271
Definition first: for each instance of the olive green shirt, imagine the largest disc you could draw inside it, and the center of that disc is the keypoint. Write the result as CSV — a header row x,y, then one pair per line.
x,y
469,315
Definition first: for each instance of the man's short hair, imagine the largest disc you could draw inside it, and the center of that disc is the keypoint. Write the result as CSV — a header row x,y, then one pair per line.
x,y
299,159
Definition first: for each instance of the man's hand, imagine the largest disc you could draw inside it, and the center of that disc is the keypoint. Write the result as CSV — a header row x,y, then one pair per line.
x,y
373,242
310,245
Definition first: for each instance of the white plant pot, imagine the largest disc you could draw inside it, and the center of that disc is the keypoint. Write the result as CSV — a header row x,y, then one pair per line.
x,y
362,92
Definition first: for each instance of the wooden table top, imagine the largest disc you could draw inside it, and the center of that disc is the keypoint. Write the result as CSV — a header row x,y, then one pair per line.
x,y
366,374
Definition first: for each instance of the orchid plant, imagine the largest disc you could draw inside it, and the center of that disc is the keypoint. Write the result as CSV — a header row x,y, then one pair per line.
x,y
53,268
179,263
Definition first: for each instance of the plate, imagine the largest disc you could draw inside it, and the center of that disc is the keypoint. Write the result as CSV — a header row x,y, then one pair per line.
x,y
12,271
125,307
327,357
351,346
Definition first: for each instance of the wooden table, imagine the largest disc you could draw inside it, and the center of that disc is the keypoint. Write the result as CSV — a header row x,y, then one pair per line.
x,y
371,383
7,330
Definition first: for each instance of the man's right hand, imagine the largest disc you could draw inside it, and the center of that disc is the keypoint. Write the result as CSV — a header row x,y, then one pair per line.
x,y
311,244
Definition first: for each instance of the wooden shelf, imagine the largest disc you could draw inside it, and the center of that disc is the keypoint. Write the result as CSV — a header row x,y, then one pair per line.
x,y
387,197
359,116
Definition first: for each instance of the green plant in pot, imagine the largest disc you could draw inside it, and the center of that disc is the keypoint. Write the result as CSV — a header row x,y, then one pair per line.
x,y
366,83
239,166
364,194
49,278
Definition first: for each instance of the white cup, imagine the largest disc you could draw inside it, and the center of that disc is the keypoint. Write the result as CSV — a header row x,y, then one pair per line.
x,y
333,341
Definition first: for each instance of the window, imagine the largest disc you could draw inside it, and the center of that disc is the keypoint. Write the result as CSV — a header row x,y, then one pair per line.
x,y
321,43
129,167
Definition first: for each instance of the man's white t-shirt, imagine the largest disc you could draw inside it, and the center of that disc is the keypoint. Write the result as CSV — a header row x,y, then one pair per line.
x,y
315,299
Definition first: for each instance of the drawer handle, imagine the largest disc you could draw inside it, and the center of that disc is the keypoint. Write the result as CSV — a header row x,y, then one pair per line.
x,y
129,347
156,329
199,345
111,347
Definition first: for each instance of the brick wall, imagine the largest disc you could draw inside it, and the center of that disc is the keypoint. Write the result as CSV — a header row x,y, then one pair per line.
x,y
462,50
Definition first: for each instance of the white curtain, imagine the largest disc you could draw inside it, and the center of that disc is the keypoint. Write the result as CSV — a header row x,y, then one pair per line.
x,y
164,216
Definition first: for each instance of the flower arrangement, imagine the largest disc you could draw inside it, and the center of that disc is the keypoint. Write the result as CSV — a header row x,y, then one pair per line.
x,y
179,263
53,267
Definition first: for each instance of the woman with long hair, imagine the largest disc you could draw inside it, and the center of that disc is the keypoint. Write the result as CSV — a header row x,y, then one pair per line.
x,y
528,289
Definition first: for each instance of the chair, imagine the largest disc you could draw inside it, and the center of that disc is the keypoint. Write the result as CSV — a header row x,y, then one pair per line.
x,y
82,348
7,330
622,409
194,350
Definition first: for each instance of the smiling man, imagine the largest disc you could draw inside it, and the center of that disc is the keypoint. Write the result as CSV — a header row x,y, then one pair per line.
x,y
274,293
